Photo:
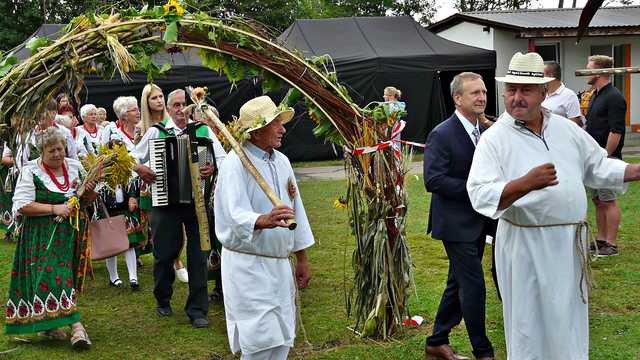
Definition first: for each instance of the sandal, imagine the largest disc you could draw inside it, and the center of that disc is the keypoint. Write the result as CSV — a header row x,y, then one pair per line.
x,y
53,334
80,339
116,283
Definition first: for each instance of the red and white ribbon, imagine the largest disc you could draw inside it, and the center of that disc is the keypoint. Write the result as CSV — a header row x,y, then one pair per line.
x,y
397,129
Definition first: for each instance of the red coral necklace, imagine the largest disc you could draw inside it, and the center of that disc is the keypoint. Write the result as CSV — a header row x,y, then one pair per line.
x,y
65,185
92,133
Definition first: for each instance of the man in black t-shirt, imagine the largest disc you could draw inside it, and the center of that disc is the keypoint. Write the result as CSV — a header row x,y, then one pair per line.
x,y
606,124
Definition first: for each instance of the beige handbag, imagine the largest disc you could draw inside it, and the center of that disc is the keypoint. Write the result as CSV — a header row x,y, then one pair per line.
x,y
108,236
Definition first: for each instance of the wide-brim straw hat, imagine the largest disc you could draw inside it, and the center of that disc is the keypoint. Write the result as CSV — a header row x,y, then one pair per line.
x,y
260,112
525,69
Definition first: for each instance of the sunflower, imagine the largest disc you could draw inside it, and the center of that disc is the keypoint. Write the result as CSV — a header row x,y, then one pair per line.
x,y
340,203
173,6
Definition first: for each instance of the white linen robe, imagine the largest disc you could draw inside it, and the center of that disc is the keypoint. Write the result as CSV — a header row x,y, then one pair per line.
x,y
539,268
259,291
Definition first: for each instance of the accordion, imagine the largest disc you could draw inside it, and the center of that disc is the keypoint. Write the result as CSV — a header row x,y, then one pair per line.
x,y
169,158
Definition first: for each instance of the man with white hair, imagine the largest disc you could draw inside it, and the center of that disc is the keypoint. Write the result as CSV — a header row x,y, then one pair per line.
x,y
167,221
529,171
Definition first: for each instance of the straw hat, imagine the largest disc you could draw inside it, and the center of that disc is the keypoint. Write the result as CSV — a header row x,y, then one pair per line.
x,y
525,69
260,112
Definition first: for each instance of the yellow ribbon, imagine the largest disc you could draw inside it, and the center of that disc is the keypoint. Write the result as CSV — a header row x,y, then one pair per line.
x,y
74,204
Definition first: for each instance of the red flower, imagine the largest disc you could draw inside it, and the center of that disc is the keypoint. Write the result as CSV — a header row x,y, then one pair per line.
x,y
56,242
10,312
58,280
37,247
18,293
69,264
43,287
69,283
65,302
43,258
34,258
37,307
52,254
38,268
49,268
61,263
23,310
14,274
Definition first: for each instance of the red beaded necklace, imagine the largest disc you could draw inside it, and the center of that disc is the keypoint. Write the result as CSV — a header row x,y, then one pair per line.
x,y
64,186
93,133
121,127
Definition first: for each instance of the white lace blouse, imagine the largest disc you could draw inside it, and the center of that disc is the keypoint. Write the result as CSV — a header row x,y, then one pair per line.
x,y
25,191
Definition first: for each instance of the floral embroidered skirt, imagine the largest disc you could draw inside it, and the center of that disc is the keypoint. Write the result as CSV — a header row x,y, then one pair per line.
x,y
46,272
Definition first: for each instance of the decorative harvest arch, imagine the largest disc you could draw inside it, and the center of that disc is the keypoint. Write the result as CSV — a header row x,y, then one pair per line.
x,y
240,48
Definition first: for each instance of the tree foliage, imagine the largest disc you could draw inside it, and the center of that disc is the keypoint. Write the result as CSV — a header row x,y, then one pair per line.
x,y
21,18
489,5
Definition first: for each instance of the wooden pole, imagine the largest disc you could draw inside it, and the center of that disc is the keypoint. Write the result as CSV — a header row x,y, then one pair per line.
x,y
201,211
246,162
609,71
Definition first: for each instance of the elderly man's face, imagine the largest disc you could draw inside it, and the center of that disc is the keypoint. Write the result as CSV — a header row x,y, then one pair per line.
x,y
523,100
177,104
270,136
473,100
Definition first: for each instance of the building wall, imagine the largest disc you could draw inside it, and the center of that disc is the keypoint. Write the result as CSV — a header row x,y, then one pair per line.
x,y
572,57
469,34
506,44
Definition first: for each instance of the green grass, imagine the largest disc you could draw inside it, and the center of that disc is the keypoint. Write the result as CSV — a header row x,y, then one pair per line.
x,y
123,325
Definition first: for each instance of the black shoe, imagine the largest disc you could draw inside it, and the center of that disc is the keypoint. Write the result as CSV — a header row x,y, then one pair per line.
x,y
134,285
600,243
164,310
200,323
608,250
116,283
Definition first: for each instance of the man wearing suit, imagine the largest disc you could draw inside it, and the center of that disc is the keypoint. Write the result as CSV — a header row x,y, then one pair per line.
x,y
447,160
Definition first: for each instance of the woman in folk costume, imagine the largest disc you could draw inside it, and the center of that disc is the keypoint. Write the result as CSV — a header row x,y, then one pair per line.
x,y
6,191
153,110
90,135
125,200
50,257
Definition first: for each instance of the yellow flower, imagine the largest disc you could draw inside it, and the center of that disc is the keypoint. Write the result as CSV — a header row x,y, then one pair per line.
x,y
340,203
199,93
173,6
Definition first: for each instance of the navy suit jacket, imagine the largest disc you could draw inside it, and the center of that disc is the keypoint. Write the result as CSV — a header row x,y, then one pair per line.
x,y
447,161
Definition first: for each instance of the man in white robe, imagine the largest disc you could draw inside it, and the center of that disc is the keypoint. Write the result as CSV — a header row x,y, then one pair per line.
x,y
258,283
529,170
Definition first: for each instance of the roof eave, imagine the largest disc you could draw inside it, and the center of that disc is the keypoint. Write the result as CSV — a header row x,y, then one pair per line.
x,y
572,32
455,19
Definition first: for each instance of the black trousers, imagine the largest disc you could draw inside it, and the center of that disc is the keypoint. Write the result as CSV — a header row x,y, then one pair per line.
x,y
166,228
464,297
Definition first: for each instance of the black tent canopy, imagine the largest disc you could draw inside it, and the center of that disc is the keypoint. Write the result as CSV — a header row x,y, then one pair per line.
x,y
370,53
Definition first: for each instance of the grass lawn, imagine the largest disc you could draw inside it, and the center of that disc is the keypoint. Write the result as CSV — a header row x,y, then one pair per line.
x,y
123,325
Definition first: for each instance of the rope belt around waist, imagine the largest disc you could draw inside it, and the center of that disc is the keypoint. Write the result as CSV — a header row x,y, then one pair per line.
x,y
297,294
581,246
256,254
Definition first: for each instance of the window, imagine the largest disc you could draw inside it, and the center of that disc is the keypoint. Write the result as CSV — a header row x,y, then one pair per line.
x,y
549,52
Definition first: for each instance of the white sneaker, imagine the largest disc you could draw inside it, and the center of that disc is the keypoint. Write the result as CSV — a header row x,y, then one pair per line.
x,y
182,274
